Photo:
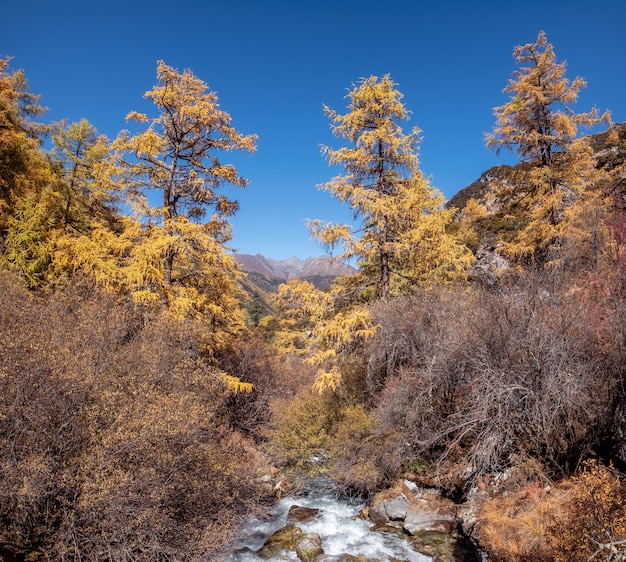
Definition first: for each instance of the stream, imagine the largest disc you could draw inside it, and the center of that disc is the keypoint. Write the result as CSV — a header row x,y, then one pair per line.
x,y
345,537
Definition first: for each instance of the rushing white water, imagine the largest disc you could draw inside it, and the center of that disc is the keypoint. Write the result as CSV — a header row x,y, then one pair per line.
x,y
341,530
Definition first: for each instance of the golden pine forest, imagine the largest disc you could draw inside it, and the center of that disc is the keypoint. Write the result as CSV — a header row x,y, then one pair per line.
x,y
145,404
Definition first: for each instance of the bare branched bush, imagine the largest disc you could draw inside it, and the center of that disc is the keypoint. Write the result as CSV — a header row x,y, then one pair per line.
x,y
115,433
526,370
363,459
274,379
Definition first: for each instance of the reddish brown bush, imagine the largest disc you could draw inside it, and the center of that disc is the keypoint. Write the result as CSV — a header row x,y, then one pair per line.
x,y
115,433
477,377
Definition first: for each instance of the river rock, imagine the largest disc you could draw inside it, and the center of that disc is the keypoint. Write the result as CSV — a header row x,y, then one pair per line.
x,y
442,547
286,538
420,509
390,505
300,514
309,547
430,512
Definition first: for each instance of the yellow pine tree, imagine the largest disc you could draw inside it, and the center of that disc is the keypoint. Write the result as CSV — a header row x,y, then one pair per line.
x,y
401,238
540,125
179,258
27,181
310,325
50,235
23,171
78,153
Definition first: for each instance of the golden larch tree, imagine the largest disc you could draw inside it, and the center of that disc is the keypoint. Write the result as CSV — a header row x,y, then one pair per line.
x,y
400,237
180,256
538,123
23,171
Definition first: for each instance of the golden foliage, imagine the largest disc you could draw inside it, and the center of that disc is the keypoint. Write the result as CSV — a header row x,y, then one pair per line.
x,y
309,325
299,307
403,230
513,527
582,518
177,260
335,337
24,171
540,125
592,522
302,429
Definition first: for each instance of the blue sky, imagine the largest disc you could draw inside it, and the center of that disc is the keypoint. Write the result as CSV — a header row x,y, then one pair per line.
x,y
275,63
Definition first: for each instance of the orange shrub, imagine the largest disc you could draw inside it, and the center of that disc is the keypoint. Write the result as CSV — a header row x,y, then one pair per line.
x,y
581,518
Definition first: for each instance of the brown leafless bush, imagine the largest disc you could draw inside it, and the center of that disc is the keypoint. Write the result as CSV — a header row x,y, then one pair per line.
x,y
363,459
274,379
522,370
115,433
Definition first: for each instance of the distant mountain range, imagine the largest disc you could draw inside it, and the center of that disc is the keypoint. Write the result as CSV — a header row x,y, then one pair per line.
x,y
264,275
317,267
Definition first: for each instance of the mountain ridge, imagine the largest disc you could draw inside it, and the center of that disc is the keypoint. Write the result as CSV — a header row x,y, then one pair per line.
x,y
294,267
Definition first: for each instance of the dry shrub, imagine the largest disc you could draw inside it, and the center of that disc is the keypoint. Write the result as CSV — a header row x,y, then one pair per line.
x,y
363,460
302,427
541,381
591,524
478,377
582,518
512,527
421,358
274,379
417,331
115,433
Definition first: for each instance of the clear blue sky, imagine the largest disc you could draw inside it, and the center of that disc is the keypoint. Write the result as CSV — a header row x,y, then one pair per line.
x,y
274,63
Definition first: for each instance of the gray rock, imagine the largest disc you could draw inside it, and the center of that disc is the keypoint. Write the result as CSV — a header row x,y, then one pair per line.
x,y
419,509
391,504
309,547
417,521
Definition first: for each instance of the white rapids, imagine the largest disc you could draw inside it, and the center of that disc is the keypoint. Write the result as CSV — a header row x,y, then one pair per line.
x,y
341,530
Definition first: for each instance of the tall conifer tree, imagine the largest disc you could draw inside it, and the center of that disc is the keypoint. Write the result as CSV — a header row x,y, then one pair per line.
x,y
538,123
180,257
401,237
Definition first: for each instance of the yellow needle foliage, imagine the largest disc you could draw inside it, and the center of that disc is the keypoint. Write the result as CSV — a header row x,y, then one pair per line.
x,y
400,242
171,175
402,236
22,169
311,326
539,124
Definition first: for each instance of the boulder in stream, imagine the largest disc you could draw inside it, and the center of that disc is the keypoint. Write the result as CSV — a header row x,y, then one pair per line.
x,y
309,547
286,538
419,509
301,514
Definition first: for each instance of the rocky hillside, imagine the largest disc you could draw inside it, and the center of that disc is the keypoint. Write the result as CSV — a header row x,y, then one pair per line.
x,y
607,154
502,218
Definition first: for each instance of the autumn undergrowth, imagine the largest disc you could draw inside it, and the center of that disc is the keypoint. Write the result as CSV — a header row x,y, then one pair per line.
x,y
118,433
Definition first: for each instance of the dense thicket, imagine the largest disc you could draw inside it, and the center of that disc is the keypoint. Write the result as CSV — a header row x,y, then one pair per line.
x,y
531,370
115,431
